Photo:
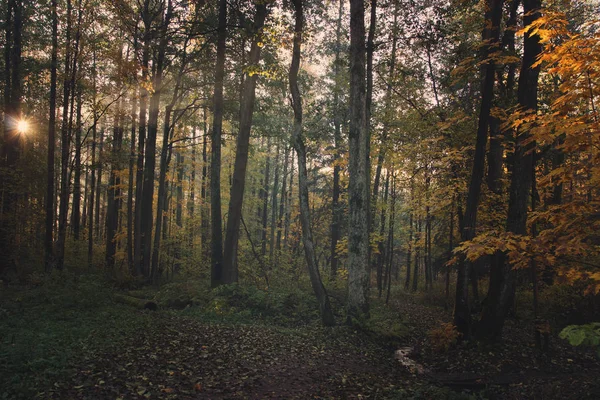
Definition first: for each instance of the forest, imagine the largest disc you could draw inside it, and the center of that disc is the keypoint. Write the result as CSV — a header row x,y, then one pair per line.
x,y
324,199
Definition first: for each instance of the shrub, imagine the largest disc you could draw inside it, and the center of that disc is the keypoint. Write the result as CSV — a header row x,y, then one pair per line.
x,y
583,335
443,337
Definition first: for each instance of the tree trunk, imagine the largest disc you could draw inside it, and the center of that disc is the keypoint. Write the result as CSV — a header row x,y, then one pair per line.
x,y
391,238
502,276
336,211
150,162
180,159
282,199
409,251
114,191
388,107
205,211
274,205
462,312
298,143
11,147
91,212
370,49
358,187
130,185
139,177
161,209
50,199
230,270
216,274
76,212
191,203
415,277
381,247
64,188
265,198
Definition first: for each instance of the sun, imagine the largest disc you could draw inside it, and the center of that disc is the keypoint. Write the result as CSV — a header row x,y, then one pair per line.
x,y
22,126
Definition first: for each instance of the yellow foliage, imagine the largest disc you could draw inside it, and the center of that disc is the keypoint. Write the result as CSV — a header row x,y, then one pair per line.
x,y
443,337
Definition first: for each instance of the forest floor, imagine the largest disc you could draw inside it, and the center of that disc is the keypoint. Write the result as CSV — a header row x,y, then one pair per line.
x,y
70,340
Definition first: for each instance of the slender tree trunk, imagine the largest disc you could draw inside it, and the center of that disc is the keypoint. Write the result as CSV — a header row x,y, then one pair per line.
x,y
180,159
11,147
50,199
409,251
130,185
358,187
336,211
230,271
139,177
191,203
76,212
381,257
289,206
462,312
205,211
150,162
298,143
370,49
161,210
265,198
274,205
64,172
502,276
282,199
428,269
391,238
99,185
450,249
217,273
415,277
114,191
388,106
93,167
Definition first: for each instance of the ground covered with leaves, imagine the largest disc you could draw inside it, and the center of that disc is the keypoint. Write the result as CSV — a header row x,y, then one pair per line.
x,y
69,339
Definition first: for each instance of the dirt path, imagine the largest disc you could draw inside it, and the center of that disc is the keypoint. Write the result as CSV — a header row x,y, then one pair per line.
x,y
185,359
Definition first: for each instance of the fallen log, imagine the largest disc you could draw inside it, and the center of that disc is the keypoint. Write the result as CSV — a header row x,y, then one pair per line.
x,y
141,304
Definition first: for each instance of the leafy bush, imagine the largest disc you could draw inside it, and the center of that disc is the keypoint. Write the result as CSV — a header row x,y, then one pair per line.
x,y
583,335
443,337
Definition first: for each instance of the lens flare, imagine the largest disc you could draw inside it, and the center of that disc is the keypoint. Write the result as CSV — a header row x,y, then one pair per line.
x,y
22,126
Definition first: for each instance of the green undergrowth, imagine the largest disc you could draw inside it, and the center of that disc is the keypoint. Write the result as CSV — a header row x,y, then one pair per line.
x,y
45,328
53,324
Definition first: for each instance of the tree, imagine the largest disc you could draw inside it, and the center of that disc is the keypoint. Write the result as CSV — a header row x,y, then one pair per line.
x,y
230,270
502,277
358,187
48,241
216,276
462,312
298,143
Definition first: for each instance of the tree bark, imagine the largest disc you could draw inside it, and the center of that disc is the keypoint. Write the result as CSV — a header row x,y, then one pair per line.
x,y
114,191
216,272
462,312
336,211
150,162
130,184
139,176
298,143
76,212
265,198
381,257
274,205
358,187
50,199
230,270
502,276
